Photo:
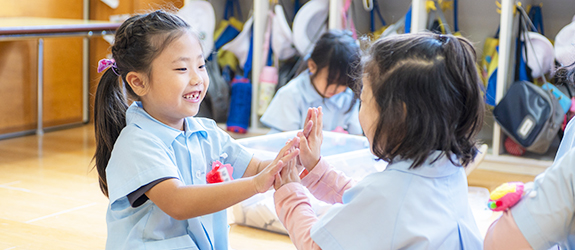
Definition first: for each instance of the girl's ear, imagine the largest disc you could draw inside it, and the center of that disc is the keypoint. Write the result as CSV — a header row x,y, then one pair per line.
x,y
138,83
312,66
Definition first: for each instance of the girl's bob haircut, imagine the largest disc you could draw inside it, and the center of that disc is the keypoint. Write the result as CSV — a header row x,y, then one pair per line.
x,y
427,90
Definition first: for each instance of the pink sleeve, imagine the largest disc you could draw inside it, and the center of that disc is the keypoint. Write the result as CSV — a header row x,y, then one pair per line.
x,y
504,234
295,213
327,184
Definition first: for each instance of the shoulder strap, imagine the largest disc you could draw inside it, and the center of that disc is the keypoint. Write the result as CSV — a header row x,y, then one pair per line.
x,y
378,12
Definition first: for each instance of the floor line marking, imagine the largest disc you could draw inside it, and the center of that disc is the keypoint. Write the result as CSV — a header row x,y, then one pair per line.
x,y
61,212
11,183
6,186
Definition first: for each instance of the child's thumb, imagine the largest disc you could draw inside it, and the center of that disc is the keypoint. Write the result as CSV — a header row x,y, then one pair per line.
x,y
278,167
303,144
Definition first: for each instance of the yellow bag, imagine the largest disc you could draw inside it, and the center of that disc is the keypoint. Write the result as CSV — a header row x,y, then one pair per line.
x,y
227,30
489,58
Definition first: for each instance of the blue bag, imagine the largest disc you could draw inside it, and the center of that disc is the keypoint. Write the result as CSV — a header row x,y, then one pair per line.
x,y
241,98
563,99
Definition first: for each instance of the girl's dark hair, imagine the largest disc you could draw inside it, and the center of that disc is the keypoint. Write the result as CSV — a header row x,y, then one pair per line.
x,y
138,41
340,53
427,90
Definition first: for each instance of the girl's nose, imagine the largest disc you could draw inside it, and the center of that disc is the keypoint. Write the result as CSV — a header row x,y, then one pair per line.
x,y
196,79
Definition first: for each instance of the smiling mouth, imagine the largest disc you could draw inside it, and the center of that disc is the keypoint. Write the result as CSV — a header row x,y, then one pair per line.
x,y
193,96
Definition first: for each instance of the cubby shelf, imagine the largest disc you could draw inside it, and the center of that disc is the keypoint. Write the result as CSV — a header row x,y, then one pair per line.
x,y
477,21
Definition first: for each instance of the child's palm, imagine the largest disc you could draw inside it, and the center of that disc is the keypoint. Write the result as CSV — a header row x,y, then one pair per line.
x,y
311,139
289,173
265,179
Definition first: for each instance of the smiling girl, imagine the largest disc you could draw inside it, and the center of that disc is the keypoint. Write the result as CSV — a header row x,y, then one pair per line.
x,y
152,156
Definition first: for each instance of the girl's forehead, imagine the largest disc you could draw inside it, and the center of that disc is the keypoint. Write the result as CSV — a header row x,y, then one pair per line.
x,y
184,46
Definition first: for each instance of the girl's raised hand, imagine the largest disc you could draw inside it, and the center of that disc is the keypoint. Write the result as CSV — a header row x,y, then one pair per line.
x,y
289,173
265,179
311,139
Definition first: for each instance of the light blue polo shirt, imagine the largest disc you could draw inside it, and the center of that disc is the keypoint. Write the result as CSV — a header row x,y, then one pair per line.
x,y
288,109
399,208
545,216
148,150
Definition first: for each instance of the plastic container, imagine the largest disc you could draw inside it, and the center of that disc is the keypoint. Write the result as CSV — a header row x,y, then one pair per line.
x,y
347,153
333,143
268,83
478,198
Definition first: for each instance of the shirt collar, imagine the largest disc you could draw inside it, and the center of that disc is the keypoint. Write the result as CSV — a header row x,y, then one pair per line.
x,y
138,116
440,168
310,93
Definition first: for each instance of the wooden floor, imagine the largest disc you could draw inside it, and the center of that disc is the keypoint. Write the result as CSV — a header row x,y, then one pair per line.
x,y
49,197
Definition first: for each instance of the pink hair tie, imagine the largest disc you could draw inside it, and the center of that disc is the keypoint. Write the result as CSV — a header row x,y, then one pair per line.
x,y
106,63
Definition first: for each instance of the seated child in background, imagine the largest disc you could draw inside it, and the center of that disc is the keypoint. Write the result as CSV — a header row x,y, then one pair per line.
x,y
421,109
545,217
327,82
153,156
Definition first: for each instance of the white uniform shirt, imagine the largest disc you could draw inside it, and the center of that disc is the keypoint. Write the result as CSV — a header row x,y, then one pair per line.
x,y
402,208
545,216
148,150
288,109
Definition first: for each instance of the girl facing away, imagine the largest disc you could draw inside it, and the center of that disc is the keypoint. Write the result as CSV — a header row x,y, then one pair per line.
x,y
328,82
421,109
545,217
152,156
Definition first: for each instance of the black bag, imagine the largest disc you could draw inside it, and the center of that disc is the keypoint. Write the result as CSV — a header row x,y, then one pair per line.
x,y
530,116
217,100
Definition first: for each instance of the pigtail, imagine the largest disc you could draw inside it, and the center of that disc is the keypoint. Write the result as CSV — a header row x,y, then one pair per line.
x,y
137,42
109,119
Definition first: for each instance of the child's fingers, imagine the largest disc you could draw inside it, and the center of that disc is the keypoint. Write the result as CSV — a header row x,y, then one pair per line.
x,y
303,145
319,121
294,173
307,128
308,116
315,123
288,146
277,181
290,156
278,167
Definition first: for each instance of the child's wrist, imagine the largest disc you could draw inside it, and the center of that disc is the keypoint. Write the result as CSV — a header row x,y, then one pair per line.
x,y
310,167
254,185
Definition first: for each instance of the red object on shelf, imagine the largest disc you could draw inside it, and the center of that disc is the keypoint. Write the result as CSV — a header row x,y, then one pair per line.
x,y
513,148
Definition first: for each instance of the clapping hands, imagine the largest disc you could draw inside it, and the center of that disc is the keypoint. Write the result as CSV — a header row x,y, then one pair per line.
x,y
309,145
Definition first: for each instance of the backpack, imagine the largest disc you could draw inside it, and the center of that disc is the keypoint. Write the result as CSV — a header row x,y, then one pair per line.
x,y
530,116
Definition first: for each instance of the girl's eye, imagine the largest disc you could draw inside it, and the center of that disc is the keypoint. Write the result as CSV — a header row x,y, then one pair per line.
x,y
202,66
181,69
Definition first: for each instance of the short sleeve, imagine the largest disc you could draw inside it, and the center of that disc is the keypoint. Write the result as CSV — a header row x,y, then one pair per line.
x,y
546,216
138,158
138,197
233,152
568,140
283,113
